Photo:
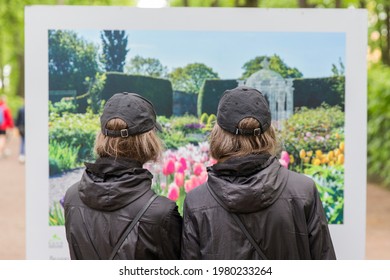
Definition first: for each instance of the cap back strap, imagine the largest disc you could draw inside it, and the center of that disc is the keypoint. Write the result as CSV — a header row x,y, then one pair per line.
x,y
124,133
249,132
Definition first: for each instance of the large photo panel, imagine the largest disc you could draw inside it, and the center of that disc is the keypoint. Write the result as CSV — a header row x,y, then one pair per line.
x,y
300,60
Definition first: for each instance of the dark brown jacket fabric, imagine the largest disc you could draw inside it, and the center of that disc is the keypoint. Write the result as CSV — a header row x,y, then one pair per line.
x,y
281,209
106,200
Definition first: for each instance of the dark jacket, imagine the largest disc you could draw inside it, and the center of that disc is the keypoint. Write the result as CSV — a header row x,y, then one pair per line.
x,y
280,208
108,197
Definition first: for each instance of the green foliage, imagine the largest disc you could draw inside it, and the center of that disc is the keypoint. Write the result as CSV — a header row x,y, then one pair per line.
x,y
275,63
62,157
62,107
158,91
312,129
191,77
312,93
150,67
203,118
56,215
71,60
210,94
74,131
330,184
114,44
379,123
96,86
178,131
211,121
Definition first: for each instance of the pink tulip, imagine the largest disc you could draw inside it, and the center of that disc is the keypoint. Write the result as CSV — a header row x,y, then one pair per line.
x,y
198,168
283,163
183,163
173,192
169,167
163,185
285,156
179,179
188,186
195,181
212,161
203,177
179,167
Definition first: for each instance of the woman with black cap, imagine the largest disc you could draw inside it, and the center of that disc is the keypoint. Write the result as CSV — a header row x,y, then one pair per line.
x,y
251,207
112,213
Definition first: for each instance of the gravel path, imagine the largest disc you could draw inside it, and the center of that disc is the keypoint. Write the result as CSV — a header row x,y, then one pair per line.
x,y
59,184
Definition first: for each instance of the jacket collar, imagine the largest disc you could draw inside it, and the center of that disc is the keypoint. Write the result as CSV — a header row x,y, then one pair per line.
x,y
112,183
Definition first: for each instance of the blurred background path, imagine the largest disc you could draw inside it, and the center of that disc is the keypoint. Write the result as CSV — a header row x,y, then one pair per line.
x,y
12,212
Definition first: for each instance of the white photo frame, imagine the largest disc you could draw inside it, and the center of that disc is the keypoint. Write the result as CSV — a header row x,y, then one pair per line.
x,y
45,242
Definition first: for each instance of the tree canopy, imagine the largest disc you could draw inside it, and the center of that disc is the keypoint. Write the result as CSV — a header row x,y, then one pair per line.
x,y
275,63
191,77
115,50
71,60
147,66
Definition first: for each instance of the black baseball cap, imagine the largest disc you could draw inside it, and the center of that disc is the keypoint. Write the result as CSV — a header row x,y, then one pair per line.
x,y
240,103
136,111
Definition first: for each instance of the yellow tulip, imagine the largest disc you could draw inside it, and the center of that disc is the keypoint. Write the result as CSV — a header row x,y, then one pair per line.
x,y
302,154
309,153
340,159
341,146
331,163
316,161
330,155
324,160
306,160
291,159
319,153
337,152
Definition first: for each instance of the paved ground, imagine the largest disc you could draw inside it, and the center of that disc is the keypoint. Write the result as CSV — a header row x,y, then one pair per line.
x,y
12,212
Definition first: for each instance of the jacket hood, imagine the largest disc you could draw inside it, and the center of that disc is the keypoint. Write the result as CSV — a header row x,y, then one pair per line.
x,y
248,184
110,184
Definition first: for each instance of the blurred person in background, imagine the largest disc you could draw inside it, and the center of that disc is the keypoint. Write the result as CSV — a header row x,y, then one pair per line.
x,y
251,207
20,126
6,123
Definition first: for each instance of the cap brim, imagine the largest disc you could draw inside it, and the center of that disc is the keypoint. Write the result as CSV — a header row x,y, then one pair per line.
x,y
159,127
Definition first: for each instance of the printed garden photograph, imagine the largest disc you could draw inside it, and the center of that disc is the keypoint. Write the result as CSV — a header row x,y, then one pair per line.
x,y
184,74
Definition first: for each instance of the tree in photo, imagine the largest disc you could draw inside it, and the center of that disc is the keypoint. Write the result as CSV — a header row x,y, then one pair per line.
x,y
114,50
191,77
71,61
147,66
275,63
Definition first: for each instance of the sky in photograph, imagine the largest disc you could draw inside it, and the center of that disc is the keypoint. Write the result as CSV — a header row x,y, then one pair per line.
x,y
313,53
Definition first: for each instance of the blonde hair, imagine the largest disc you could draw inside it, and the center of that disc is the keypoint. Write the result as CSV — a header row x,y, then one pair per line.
x,y
142,147
224,145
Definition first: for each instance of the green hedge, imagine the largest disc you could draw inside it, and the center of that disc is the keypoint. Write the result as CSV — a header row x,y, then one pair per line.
x,y
210,94
158,91
311,93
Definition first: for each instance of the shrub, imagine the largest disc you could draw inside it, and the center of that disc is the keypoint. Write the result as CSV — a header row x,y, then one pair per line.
x,y
311,130
76,131
158,91
378,123
330,185
62,157
63,106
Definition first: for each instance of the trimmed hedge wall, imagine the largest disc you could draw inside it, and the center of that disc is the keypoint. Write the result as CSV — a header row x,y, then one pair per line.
x,y
312,93
309,93
158,91
210,94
